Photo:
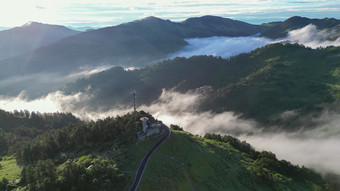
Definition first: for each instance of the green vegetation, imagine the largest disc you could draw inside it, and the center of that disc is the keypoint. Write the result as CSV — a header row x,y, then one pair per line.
x,y
20,126
79,156
186,161
136,44
88,173
281,29
9,169
103,155
291,78
260,85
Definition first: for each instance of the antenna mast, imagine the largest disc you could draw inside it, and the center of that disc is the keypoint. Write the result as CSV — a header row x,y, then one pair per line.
x,y
134,106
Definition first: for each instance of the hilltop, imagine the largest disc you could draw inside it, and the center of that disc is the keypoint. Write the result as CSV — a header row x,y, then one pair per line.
x,y
60,159
260,85
281,29
32,35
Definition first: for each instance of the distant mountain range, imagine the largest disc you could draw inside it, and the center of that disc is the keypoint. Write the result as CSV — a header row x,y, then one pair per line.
x,y
86,28
137,43
4,28
30,36
42,50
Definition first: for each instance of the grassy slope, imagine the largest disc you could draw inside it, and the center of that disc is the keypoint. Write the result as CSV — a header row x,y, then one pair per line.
x,y
182,162
10,170
210,165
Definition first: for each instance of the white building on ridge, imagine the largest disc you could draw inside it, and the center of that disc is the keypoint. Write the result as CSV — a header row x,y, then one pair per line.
x,y
148,131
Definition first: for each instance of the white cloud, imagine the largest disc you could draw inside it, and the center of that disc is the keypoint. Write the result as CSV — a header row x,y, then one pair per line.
x,y
38,84
75,11
53,102
320,154
221,46
317,148
311,36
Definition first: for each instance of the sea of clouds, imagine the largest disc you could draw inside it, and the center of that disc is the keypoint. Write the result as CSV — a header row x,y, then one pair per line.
x,y
225,47
317,148
311,36
222,46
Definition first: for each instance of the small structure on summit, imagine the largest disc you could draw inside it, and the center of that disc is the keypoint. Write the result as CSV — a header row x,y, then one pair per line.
x,y
145,125
148,131
154,129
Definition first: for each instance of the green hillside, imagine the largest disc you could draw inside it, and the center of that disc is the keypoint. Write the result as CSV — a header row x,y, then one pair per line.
x,y
291,78
280,29
19,126
103,155
188,162
260,85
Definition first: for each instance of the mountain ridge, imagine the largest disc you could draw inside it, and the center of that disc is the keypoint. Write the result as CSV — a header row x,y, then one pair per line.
x,y
281,29
149,39
30,36
246,84
101,155
134,44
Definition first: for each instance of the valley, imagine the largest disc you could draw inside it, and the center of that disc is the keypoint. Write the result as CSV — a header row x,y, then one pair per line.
x,y
249,106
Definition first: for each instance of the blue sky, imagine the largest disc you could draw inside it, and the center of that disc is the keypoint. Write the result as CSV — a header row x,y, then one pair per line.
x,y
99,13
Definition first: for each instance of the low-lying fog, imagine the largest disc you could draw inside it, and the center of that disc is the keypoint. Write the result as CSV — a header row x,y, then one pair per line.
x,y
226,47
38,84
42,83
317,148
222,46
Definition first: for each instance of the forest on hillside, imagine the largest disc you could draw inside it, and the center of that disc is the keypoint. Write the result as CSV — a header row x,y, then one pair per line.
x,y
260,85
70,154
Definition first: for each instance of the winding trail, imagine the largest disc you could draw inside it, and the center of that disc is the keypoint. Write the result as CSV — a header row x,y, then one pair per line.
x,y
146,158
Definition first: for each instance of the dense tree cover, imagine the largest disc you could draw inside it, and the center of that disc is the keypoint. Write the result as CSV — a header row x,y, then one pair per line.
x,y
6,185
260,85
68,158
292,77
176,127
266,161
13,121
119,130
51,161
113,85
3,184
88,173
18,126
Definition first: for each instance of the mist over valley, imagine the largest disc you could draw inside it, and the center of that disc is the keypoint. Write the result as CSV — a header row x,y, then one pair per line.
x,y
275,85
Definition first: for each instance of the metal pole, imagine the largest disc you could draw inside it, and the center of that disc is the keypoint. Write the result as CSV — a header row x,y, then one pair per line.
x,y
134,106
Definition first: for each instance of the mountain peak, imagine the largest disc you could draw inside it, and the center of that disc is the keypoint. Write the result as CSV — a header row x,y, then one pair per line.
x,y
206,17
150,19
31,23
296,19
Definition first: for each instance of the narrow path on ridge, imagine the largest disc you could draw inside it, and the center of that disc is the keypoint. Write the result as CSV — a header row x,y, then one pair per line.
x,y
146,158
